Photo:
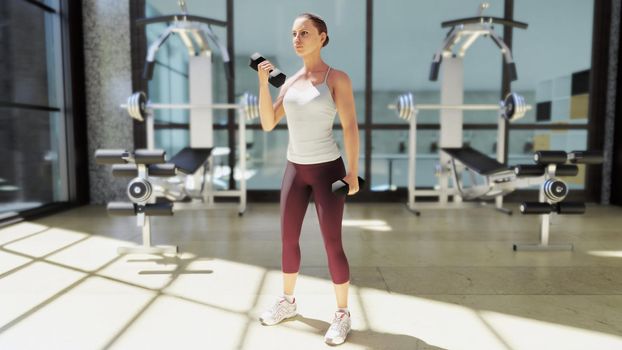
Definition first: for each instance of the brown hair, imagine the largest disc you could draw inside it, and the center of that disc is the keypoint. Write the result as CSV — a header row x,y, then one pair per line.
x,y
318,22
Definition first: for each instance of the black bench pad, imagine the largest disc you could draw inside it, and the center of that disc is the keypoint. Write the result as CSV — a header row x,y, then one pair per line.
x,y
475,160
189,160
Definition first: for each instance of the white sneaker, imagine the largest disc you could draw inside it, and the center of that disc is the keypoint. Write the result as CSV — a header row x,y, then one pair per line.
x,y
280,310
339,329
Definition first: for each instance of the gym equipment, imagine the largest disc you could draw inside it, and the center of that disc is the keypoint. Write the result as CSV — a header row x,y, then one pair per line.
x,y
471,28
512,108
139,108
143,166
451,54
553,191
193,32
277,78
342,188
501,180
191,160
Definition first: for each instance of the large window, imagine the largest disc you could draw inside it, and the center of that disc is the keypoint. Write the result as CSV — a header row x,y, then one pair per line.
x,y
168,85
404,42
552,59
265,27
259,27
32,118
170,82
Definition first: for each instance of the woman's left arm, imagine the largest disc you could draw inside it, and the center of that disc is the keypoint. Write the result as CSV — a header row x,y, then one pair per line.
x,y
344,100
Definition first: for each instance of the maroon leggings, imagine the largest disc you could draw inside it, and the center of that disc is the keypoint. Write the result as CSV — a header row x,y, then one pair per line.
x,y
299,181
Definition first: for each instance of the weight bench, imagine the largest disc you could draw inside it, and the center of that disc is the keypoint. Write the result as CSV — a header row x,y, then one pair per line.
x,y
497,175
189,160
501,180
192,182
192,165
475,160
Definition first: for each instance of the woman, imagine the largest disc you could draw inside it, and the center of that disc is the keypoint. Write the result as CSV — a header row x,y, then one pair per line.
x,y
311,98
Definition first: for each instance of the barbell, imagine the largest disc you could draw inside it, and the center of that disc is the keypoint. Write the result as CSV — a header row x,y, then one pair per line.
x,y
513,107
138,107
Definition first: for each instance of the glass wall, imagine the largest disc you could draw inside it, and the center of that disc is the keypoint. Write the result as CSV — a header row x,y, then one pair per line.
x,y
552,60
265,27
32,123
170,82
270,36
402,54
169,85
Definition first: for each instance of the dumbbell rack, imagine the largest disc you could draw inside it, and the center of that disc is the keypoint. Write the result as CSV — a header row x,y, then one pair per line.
x,y
141,165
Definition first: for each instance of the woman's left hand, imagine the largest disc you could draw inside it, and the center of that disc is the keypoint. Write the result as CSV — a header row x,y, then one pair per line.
x,y
353,183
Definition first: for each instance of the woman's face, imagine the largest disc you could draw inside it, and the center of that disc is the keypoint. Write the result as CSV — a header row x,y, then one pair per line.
x,y
305,36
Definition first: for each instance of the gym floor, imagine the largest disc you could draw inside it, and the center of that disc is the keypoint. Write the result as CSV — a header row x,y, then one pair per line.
x,y
448,279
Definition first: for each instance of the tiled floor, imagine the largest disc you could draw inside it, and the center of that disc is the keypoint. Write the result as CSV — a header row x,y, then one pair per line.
x,y
448,279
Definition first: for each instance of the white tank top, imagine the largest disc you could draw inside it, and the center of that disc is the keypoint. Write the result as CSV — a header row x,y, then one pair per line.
x,y
310,112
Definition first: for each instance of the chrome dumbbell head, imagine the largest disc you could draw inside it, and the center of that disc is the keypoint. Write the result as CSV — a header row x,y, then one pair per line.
x,y
139,190
555,190
137,106
513,107
250,104
405,106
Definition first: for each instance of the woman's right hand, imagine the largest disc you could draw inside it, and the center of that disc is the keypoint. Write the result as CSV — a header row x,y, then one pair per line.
x,y
263,72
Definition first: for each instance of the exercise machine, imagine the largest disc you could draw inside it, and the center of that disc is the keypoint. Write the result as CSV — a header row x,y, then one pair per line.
x,y
193,162
512,108
142,166
196,160
553,191
448,60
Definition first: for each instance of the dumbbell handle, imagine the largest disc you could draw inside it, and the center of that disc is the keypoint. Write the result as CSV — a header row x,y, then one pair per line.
x,y
277,78
342,188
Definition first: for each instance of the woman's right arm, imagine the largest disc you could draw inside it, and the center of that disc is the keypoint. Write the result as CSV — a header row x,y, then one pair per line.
x,y
269,113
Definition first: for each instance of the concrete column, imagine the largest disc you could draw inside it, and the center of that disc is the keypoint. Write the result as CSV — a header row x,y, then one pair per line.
x,y
108,83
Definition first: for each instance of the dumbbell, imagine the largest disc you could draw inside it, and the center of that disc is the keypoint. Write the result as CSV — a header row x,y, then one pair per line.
x,y
277,78
342,188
